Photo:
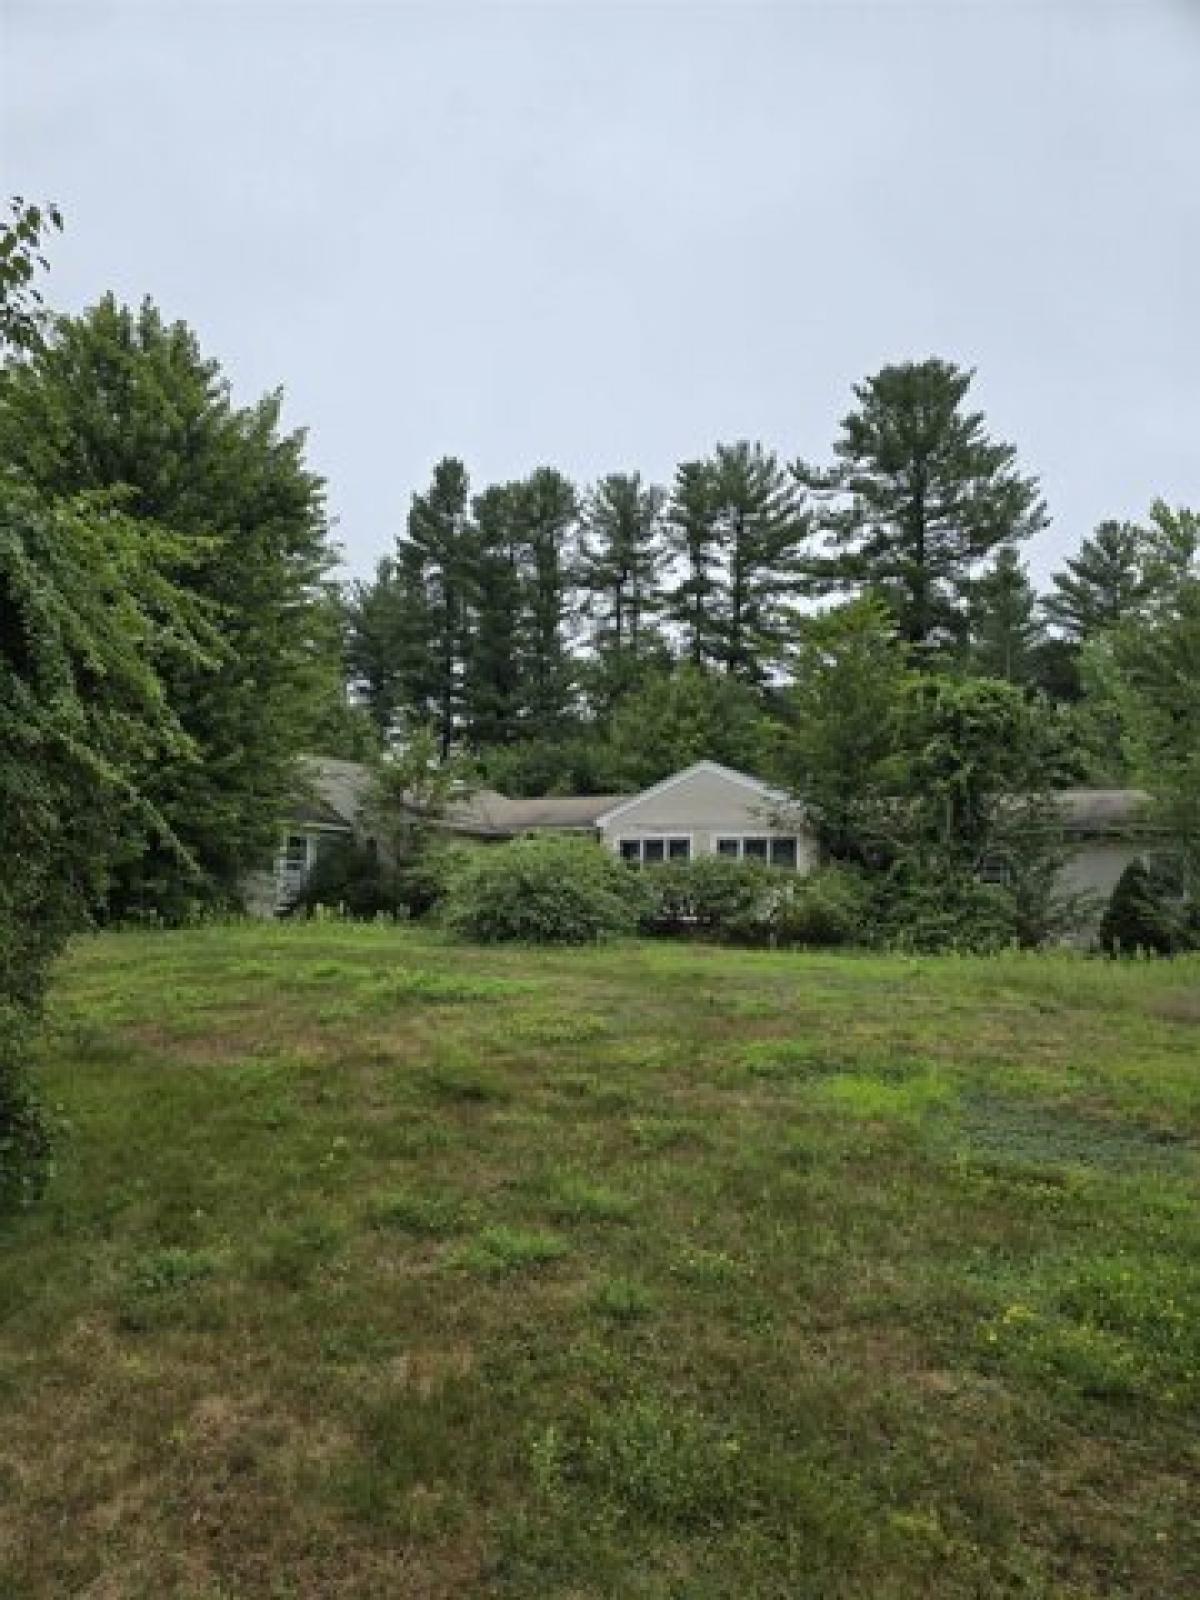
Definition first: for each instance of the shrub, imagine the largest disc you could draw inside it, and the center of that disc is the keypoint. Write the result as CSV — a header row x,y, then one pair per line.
x,y
712,896
352,876
24,1132
928,909
543,891
747,902
1144,914
827,908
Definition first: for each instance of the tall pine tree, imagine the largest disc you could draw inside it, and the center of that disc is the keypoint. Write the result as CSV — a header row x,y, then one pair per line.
x,y
1006,632
1102,586
918,497
621,561
759,529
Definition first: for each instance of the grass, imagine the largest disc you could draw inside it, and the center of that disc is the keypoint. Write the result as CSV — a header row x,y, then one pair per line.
x,y
377,1266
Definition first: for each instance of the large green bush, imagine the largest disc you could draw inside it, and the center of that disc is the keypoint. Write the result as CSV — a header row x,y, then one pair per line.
x,y
711,896
747,902
543,891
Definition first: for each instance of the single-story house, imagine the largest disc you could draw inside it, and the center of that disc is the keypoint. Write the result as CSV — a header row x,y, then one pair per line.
x,y
705,809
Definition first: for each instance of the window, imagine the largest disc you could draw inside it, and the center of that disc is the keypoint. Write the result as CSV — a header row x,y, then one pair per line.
x,y
295,852
782,852
647,852
994,869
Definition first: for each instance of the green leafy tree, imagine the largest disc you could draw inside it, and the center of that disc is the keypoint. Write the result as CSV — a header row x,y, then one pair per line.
x,y
1146,676
122,401
1007,636
23,313
686,715
919,496
839,747
88,623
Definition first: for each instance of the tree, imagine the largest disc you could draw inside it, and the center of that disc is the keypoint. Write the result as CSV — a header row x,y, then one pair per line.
x,y
22,310
548,511
759,529
87,623
1006,634
839,751
496,604
694,541
1146,674
686,715
621,558
433,565
121,401
375,656
918,497
1101,587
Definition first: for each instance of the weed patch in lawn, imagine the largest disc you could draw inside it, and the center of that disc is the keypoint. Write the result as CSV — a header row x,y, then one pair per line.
x,y
502,1250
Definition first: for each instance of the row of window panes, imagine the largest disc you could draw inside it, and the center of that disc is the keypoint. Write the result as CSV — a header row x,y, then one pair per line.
x,y
779,852
643,852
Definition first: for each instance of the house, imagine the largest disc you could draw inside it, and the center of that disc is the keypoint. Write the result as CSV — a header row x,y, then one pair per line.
x,y
705,809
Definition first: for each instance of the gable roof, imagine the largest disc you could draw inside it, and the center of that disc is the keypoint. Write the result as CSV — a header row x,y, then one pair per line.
x,y
713,769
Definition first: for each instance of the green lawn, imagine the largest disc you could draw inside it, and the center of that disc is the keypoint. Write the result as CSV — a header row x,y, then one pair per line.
x,y
379,1266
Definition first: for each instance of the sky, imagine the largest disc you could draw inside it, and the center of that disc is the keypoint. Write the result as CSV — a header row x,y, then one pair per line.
x,y
605,234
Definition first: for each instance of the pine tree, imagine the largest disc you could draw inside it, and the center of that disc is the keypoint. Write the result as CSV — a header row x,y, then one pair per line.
x,y
548,514
496,604
919,496
759,529
1006,631
433,577
621,560
694,543
1101,587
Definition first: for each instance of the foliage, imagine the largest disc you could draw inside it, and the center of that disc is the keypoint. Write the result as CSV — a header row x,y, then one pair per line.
x,y
621,558
711,896
22,239
1007,637
122,401
1103,585
87,619
930,905
838,750
399,863
918,497
549,890
1145,914
685,715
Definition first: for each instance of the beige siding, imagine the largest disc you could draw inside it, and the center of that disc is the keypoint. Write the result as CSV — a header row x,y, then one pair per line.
x,y
703,807
1094,868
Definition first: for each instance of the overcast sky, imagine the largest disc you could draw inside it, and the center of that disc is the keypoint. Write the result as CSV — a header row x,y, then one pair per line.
x,y
605,235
